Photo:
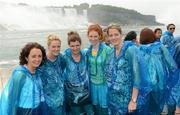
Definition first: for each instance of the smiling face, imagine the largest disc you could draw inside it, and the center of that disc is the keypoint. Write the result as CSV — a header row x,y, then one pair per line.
x,y
93,37
34,58
75,47
115,37
54,47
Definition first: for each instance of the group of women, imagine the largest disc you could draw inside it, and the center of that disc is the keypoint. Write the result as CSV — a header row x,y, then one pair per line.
x,y
121,79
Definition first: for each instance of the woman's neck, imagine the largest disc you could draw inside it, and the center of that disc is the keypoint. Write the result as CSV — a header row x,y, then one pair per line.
x,y
51,57
118,49
96,46
30,68
76,57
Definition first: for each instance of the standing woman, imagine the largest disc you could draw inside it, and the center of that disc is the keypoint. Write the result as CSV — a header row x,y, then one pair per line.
x,y
53,85
76,77
159,67
23,93
97,54
122,72
175,91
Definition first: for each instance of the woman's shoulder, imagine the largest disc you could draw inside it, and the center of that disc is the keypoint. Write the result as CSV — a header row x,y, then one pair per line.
x,y
19,73
150,47
20,70
103,45
83,52
105,48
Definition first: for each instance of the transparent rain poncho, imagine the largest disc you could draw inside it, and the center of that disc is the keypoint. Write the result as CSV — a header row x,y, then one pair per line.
x,y
122,74
76,79
157,66
53,85
22,94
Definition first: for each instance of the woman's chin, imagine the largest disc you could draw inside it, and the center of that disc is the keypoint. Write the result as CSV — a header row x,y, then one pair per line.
x,y
56,54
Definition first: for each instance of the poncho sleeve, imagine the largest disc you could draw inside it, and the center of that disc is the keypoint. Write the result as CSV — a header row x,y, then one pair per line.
x,y
133,60
10,96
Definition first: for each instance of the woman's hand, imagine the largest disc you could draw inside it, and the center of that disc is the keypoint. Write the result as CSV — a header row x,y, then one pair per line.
x,y
132,106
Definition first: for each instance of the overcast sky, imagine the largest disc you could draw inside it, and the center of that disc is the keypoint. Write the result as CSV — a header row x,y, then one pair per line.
x,y
166,11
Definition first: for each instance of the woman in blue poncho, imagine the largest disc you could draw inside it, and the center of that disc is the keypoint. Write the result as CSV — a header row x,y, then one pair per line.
x,y
122,74
175,91
23,93
157,66
97,54
144,85
177,51
76,77
131,36
174,97
52,79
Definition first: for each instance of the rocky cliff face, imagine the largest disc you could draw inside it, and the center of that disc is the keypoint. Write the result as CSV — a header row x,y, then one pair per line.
x,y
105,14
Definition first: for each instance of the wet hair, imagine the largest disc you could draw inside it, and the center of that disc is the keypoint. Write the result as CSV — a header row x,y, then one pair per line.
x,y
147,36
98,29
26,51
105,30
130,36
52,37
73,36
105,34
170,25
157,29
114,26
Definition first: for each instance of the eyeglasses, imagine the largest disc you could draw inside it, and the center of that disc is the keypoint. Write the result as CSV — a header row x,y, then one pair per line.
x,y
172,28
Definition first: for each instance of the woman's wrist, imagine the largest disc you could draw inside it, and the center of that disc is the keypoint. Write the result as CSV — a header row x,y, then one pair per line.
x,y
133,100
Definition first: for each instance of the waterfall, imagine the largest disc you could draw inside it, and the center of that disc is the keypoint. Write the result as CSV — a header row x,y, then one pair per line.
x,y
26,17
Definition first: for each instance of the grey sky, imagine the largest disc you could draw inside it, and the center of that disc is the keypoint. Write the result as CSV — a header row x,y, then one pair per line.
x,y
166,11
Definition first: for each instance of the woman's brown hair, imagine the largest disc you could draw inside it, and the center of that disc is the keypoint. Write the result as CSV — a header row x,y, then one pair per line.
x,y
73,36
26,50
147,36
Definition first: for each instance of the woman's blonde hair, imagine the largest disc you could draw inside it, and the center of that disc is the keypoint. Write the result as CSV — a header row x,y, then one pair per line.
x,y
114,26
52,37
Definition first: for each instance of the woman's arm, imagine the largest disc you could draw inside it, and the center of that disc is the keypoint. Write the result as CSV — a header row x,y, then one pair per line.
x,y
14,90
132,104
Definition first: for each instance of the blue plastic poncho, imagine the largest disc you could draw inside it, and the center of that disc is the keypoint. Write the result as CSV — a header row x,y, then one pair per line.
x,y
76,78
96,64
98,81
53,83
177,51
122,74
174,96
157,67
167,39
23,91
